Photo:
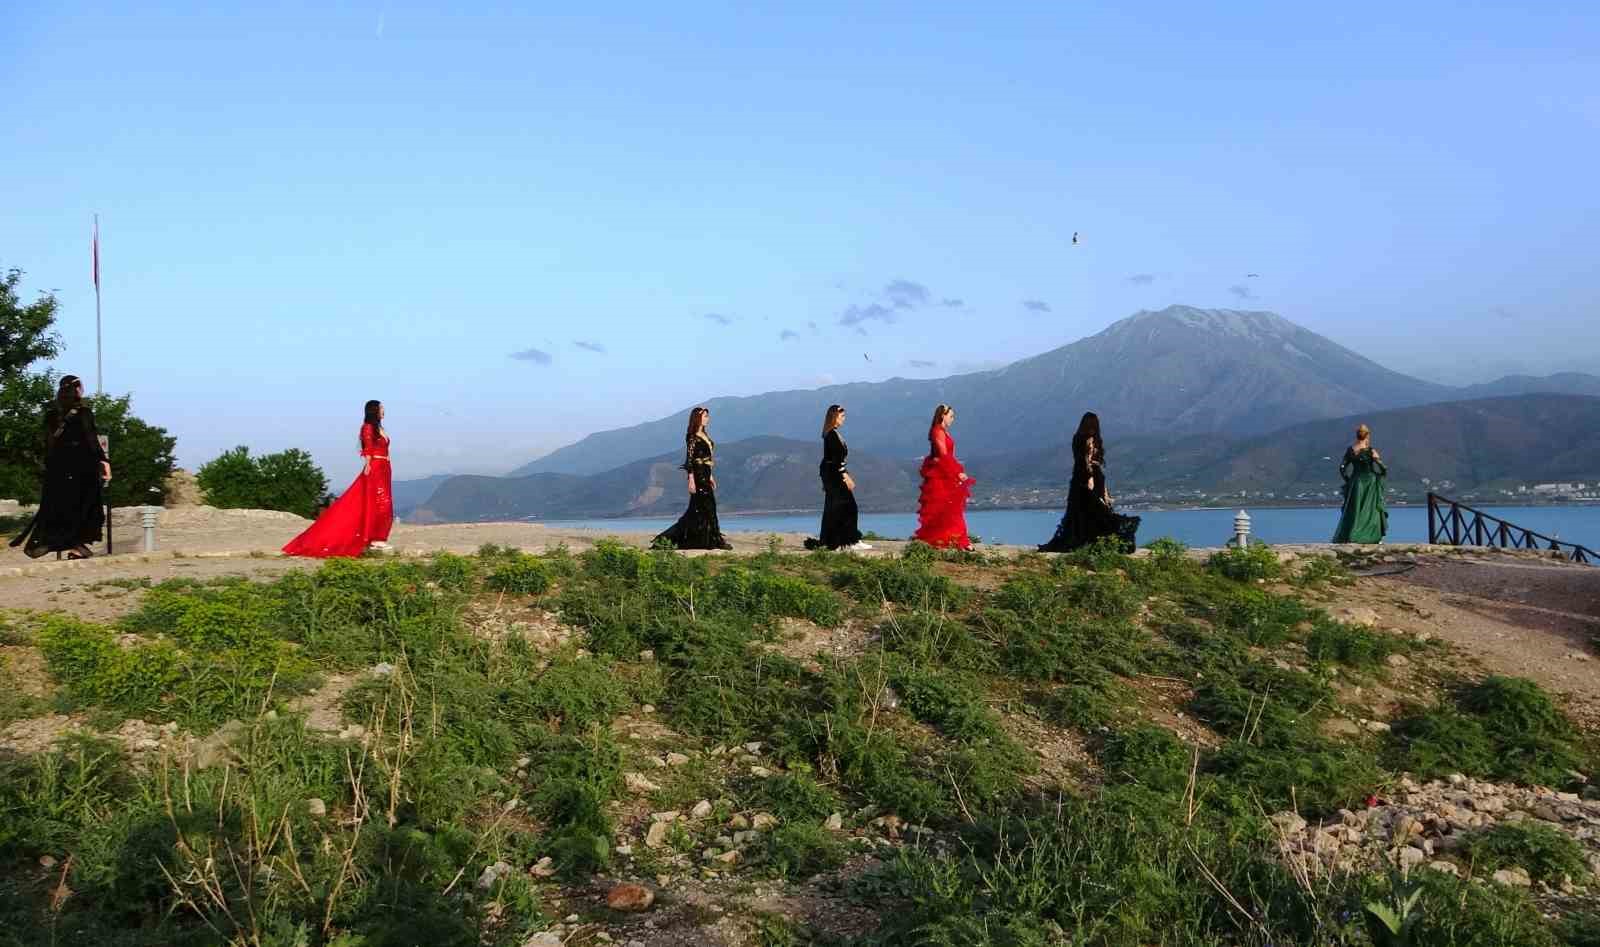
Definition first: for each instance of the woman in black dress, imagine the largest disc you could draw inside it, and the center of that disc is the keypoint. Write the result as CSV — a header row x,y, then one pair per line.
x,y
71,510
1089,515
839,514
697,528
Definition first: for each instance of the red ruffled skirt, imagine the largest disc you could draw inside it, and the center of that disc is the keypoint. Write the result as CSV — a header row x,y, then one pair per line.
x,y
942,508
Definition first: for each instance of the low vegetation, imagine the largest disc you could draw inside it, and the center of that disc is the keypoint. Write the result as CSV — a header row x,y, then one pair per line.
x,y
472,735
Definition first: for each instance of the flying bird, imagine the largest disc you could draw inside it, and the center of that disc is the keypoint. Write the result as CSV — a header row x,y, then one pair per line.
x,y
1252,276
1074,238
865,356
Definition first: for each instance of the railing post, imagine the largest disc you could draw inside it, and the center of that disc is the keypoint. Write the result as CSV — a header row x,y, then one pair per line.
x,y
1433,536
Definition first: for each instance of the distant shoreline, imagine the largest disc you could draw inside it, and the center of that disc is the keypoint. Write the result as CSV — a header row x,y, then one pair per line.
x,y
1131,508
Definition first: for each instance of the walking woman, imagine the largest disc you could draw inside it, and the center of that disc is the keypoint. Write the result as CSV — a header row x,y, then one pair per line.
x,y
71,510
942,508
839,515
1364,519
698,528
363,514
1089,515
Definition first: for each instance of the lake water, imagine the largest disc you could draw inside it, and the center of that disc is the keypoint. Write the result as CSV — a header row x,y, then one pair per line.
x,y
1572,523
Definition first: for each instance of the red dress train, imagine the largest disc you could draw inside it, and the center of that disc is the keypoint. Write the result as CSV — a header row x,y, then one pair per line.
x,y
942,509
364,513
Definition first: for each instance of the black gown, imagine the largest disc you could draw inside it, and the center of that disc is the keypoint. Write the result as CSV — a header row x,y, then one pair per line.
x,y
1088,516
698,528
839,513
71,506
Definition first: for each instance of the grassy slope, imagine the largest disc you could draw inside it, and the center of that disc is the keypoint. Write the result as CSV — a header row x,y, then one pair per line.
x,y
488,743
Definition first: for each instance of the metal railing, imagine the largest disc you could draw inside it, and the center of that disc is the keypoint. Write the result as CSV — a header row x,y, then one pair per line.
x,y
1456,524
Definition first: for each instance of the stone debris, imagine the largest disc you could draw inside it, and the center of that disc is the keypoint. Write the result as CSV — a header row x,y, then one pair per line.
x,y
637,783
1427,825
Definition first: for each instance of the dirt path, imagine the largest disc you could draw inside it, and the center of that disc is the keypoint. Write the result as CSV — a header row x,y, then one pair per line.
x,y
1514,616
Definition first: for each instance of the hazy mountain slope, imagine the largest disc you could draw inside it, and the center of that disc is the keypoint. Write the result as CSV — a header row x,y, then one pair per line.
x,y
763,473
1174,372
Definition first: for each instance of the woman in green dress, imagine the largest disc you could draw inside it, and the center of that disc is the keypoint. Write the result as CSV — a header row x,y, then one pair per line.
x,y
1364,518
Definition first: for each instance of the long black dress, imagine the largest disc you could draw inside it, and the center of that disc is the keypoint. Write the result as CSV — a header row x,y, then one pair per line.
x,y
698,528
839,513
1088,515
71,508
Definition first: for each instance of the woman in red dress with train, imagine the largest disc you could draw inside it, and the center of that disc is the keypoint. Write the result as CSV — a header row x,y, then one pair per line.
x,y
363,515
942,509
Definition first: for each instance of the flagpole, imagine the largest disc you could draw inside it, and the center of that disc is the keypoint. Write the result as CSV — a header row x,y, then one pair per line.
x,y
99,362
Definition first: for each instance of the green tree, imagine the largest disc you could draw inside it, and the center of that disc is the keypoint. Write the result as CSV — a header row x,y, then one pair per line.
x,y
287,480
141,453
25,335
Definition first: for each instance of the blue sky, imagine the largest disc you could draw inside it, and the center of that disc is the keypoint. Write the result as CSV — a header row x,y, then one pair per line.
x,y
311,204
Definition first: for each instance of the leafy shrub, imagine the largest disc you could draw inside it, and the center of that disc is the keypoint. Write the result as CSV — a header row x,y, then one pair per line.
x,y
521,574
1246,565
763,595
802,849
1544,851
1086,707
924,637
1148,755
795,797
1502,728
452,572
946,701
902,581
1349,644
1262,618
288,480
1320,571
1105,554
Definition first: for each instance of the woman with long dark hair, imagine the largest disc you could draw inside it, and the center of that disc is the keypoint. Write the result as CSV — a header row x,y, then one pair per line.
x,y
1089,515
942,507
840,529
698,528
1364,518
71,510
363,515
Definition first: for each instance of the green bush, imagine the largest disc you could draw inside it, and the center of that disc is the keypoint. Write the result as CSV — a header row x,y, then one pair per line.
x,y
521,574
1349,644
1246,565
902,581
802,849
1501,728
452,572
288,480
1262,618
1149,756
1544,851
795,797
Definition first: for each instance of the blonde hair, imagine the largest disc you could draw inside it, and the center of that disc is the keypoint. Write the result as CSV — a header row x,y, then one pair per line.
x,y
1363,432
831,419
938,415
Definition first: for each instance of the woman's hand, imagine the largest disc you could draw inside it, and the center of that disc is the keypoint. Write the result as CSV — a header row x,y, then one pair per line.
x,y
962,477
849,484
105,471
712,480
366,467
691,483
1091,483
1376,455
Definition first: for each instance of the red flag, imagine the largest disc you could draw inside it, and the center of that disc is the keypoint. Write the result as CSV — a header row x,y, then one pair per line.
x,y
96,253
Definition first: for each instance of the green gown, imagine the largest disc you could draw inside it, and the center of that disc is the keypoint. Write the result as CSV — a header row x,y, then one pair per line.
x,y
1364,518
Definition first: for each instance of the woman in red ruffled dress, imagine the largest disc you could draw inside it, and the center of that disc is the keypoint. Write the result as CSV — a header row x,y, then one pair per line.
x,y
363,515
942,509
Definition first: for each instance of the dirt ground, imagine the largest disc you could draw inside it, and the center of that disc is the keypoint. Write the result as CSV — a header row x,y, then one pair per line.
x,y
1520,616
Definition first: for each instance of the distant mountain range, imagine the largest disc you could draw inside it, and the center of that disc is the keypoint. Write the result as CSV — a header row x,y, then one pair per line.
x,y
1179,392
758,473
